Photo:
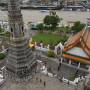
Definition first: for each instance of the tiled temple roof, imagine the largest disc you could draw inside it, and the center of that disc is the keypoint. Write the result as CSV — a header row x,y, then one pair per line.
x,y
81,39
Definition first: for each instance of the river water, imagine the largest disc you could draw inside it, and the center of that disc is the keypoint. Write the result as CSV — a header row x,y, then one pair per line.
x,y
37,16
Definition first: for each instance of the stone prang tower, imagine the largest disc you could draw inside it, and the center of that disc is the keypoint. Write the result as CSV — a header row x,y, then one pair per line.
x,y
20,59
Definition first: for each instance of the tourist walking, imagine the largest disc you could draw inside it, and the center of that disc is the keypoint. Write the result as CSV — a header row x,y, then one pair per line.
x,y
40,80
44,83
36,78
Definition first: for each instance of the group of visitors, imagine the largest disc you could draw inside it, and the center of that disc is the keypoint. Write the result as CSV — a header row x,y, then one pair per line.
x,y
40,80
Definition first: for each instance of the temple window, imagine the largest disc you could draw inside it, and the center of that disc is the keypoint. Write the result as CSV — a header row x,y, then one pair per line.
x,y
22,28
11,30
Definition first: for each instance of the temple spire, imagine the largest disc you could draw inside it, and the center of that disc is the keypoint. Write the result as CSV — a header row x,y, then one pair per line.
x,y
20,58
15,19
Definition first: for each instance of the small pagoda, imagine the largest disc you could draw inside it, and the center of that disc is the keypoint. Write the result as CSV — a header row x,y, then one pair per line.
x,y
77,48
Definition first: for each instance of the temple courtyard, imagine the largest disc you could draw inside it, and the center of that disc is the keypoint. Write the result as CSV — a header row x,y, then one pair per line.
x,y
39,82
43,81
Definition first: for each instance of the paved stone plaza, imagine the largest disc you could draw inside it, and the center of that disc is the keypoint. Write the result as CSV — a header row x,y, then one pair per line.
x,y
35,84
66,70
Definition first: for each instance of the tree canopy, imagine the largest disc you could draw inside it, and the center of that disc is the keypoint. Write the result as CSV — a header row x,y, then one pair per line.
x,y
2,56
40,26
78,26
51,20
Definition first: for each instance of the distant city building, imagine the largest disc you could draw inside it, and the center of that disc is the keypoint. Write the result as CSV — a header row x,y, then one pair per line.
x,y
71,2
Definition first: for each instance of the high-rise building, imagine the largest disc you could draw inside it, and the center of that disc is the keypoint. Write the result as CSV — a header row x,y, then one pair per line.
x,y
20,59
71,2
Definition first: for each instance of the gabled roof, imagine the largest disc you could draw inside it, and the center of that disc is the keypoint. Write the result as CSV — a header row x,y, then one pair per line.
x,y
78,52
81,39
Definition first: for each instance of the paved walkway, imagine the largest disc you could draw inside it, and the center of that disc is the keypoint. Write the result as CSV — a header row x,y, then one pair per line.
x,y
67,71
34,84
57,61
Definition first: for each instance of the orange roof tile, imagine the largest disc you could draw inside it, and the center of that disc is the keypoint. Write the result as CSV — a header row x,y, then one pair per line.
x,y
85,61
81,39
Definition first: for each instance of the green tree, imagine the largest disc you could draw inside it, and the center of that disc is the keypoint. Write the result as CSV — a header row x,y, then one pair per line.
x,y
40,27
51,21
7,34
65,30
2,56
1,30
78,26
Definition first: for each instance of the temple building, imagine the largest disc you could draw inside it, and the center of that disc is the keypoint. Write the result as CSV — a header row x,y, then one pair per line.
x,y
77,49
20,61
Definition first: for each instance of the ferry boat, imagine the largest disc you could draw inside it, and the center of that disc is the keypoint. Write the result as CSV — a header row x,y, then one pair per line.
x,y
45,11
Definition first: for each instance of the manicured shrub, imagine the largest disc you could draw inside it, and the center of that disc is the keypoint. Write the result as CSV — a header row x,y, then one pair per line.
x,y
51,53
2,56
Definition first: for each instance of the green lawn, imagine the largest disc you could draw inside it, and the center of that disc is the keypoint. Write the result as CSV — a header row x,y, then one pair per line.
x,y
47,38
